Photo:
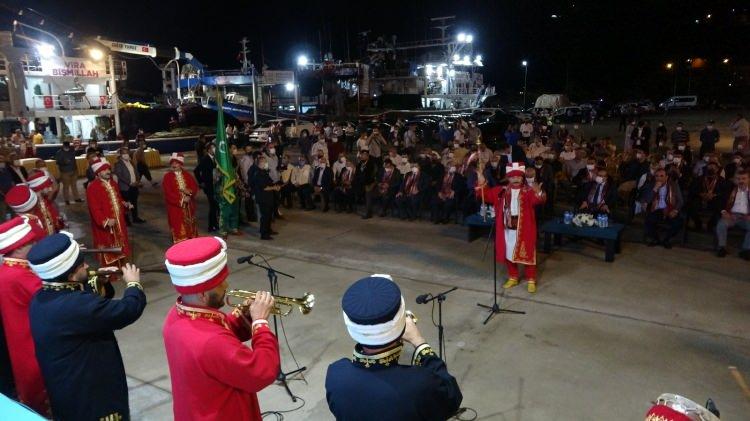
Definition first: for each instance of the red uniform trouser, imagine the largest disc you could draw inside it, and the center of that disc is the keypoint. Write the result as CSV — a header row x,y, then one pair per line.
x,y
513,269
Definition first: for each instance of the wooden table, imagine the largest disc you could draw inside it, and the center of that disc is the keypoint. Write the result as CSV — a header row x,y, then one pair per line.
x,y
555,229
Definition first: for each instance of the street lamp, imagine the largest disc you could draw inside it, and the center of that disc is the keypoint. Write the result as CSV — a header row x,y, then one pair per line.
x,y
96,54
725,61
525,65
45,50
302,61
461,37
289,86
669,66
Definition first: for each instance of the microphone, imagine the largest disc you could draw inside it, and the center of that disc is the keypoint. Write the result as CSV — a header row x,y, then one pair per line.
x,y
422,299
245,259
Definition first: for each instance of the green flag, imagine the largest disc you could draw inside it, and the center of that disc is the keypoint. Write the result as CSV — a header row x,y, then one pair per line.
x,y
223,159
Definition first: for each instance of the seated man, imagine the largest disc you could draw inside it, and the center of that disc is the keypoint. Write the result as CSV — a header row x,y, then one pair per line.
x,y
389,180
322,183
705,196
444,201
736,213
587,174
343,194
287,189
662,200
409,196
633,167
301,182
598,196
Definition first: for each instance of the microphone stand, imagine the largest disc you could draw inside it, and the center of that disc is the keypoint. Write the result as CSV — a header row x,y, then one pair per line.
x,y
440,298
273,279
495,308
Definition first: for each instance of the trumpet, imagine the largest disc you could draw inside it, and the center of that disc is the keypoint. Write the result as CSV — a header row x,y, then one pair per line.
x,y
282,305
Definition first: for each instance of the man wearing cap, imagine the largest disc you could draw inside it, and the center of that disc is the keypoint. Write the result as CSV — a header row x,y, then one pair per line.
x,y
45,209
18,285
214,375
107,210
23,201
515,224
373,385
73,330
180,190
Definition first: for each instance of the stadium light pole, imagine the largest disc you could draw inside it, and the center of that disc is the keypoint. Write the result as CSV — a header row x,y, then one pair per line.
x,y
525,65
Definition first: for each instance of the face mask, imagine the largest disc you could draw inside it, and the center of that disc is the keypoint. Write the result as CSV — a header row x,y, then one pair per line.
x,y
415,170
738,161
264,165
272,151
452,170
494,164
335,140
599,179
639,157
342,160
301,163
653,171
669,156
323,164
17,163
681,147
589,167
706,158
529,180
676,160
661,143
710,127
125,158
455,145
661,124
679,129
575,127
538,165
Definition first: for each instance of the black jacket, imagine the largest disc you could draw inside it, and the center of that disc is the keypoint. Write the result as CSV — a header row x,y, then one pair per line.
x,y
326,183
204,173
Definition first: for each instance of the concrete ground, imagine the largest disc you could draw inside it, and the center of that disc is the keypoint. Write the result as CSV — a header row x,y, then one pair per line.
x,y
598,340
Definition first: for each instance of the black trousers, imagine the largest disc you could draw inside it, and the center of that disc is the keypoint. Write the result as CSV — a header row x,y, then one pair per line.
x,y
343,200
408,206
386,202
369,200
325,197
250,208
144,171
441,209
213,210
266,212
131,196
653,219
304,193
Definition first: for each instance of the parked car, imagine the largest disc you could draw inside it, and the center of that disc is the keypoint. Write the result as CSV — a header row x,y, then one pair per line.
x,y
573,115
293,130
677,102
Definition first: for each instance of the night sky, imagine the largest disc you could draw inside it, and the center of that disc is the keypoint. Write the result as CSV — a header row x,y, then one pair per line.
x,y
611,49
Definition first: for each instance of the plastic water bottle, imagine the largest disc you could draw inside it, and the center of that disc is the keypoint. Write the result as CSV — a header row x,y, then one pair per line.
x,y
605,219
568,217
483,211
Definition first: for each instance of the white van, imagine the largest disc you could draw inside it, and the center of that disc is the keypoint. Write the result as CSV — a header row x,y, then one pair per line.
x,y
682,101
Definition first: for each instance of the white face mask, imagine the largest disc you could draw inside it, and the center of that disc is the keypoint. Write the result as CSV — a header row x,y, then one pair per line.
x,y
494,164
661,143
676,160
738,161
16,162
710,127
589,167
669,156
272,151
529,180
679,129
415,170
342,160
706,158
452,170
125,158
335,140
599,179
681,147
455,145
538,165
264,165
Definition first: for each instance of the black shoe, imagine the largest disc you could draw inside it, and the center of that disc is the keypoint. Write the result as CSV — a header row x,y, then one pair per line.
x,y
745,254
368,216
381,214
652,243
79,200
274,233
266,237
667,244
139,221
325,209
213,229
128,223
722,252
154,184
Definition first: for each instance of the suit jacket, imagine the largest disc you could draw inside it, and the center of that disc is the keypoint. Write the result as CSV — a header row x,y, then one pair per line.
x,y
204,173
422,183
123,175
674,195
608,195
389,186
366,173
326,182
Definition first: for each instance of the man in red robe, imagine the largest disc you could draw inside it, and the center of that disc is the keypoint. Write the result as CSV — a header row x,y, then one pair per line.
x,y
515,222
18,284
107,210
180,190
214,375
46,210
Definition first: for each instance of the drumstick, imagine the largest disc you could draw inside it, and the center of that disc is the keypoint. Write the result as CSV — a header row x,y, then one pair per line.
x,y
740,381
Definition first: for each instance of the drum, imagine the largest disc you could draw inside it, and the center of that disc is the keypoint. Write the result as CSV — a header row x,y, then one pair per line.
x,y
685,406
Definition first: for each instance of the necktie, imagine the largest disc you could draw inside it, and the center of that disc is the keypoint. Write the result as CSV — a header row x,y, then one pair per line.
x,y
596,194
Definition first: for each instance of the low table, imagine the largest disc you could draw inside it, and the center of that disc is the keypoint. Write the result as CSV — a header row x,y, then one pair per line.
x,y
477,226
556,229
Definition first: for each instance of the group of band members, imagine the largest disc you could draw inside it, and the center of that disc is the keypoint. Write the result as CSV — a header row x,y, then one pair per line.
x,y
65,362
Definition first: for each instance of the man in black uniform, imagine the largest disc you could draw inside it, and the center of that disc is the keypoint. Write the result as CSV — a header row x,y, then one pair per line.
x,y
204,174
365,180
263,189
372,385
73,330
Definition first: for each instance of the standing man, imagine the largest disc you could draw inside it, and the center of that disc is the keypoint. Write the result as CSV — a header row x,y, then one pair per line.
x,y
515,223
263,189
47,212
128,183
680,135
180,190
140,162
66,163
24,201
73,331
365,178
736,213
372,385
204,174
18,285
214,375
107,210
709,138
741,132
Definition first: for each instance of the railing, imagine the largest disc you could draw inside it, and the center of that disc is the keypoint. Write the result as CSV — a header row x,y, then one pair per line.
x,y
71,102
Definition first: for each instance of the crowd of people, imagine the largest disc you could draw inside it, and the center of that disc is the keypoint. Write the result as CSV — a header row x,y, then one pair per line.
x,y
655,173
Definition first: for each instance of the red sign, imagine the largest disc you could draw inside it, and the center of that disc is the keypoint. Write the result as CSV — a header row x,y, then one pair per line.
x,y
48,102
